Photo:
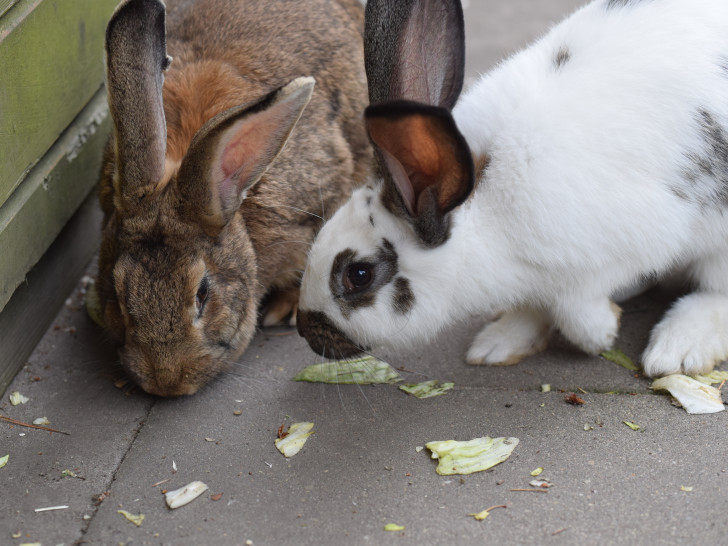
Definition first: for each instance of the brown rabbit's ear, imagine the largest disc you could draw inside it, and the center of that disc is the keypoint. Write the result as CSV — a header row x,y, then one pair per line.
x,y
427,159
136,56
234,149
414,50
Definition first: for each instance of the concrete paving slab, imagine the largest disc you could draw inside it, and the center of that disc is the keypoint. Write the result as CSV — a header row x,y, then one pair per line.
x,y
662,484
70,380
360,470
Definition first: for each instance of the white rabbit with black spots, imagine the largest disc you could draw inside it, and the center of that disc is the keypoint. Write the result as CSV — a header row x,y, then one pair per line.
x,y
587,163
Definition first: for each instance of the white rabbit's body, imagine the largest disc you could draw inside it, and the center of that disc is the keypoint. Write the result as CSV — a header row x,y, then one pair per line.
x,y
606,145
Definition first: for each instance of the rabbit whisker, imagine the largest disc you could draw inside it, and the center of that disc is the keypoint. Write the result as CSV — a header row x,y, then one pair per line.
x,y
294,208
309,243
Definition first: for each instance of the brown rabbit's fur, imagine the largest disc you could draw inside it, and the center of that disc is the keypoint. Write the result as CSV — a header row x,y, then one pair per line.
x,y
155,249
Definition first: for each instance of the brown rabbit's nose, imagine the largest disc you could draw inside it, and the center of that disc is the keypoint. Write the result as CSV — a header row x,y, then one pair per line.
x,y
324,337
157,379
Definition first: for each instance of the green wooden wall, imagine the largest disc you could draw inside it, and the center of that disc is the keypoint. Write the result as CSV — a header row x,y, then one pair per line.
x,y
53,122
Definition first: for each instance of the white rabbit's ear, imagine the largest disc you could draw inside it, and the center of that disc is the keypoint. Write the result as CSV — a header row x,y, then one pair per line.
x,y
136,56
427,160
414,50
233,150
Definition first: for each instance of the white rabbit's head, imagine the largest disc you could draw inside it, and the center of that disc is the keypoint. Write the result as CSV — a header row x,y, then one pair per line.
x,y
367,278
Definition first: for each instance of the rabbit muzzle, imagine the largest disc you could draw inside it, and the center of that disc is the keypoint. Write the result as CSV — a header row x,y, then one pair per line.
x,y
324,337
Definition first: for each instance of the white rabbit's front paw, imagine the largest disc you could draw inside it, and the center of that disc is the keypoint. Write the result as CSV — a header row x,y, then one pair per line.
x,y
511,338
692,337
591,325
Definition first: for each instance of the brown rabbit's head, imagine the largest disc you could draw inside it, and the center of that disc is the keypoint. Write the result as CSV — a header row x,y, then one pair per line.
x,y
178,283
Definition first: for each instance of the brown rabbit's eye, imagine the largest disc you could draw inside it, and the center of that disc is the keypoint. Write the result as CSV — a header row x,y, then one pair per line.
x,y
358,277
202,293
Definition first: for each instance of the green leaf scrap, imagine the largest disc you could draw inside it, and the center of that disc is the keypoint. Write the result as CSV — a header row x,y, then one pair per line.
x,y
393,527
472,456
716,376
17,398
360,371
618,357
136,520
93,306
631,425
427,389
480,516
4,460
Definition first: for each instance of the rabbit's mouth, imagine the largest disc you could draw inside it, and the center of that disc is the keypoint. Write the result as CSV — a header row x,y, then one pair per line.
x,y
324,337
161,380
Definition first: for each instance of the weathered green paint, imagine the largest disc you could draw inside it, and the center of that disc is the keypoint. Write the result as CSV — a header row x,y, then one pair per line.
x,y
51,64
5,5
50,194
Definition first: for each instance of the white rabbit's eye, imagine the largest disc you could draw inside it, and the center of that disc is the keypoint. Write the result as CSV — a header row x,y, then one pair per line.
x,y
202,293
358,277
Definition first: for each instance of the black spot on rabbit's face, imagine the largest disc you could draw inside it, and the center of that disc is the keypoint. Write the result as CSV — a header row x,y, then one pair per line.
x,y
355,280
705,180
562,57
404,298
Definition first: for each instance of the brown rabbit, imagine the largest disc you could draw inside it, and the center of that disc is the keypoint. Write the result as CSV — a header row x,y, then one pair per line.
x,y
205,209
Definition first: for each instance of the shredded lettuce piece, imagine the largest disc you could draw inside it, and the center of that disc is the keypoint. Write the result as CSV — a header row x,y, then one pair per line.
x,y
618,357
471,456
427,389
136,520
184,495
695,397
716,376
93,306
362,371
297,435
17,398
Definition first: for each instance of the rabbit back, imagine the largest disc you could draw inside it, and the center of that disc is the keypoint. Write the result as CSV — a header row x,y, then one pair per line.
x,y
608,140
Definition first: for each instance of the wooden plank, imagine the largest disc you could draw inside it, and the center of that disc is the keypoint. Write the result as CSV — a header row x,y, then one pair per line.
x,y
5,5
37,211
34,305
51,64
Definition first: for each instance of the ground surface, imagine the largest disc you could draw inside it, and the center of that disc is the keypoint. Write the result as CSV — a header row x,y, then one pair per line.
x,y
361,470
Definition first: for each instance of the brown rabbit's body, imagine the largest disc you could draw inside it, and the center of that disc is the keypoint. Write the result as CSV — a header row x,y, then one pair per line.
x,y
194,239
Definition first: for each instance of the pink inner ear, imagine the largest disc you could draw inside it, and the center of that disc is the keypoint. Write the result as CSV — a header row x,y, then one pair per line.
x,y
240,152
236,154
233,157
252,144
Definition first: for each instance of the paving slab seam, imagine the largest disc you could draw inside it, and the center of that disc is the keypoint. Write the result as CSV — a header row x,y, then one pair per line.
x,y
110,483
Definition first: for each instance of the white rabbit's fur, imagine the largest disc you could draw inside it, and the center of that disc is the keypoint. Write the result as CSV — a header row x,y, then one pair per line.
x,y
605,168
